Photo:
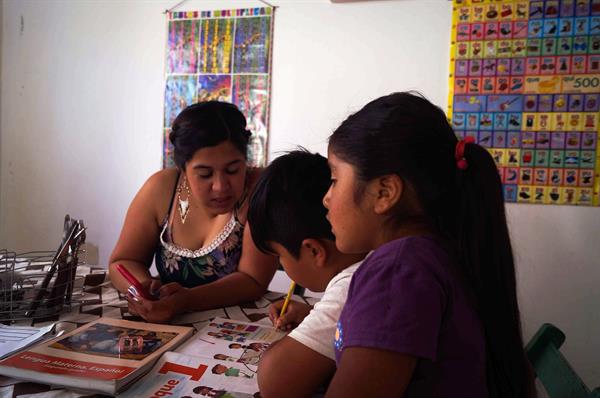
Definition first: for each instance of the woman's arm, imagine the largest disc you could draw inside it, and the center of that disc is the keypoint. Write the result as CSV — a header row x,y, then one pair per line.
x,y
139,235
248,283
368,372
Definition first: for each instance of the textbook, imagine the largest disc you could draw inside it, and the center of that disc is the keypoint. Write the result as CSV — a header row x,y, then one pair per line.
x,y
219,361
102,356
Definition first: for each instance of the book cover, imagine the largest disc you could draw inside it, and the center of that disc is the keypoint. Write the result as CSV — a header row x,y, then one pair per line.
x,y
103,356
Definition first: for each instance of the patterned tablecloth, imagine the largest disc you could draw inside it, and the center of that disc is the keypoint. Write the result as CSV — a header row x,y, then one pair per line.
x,y
101,299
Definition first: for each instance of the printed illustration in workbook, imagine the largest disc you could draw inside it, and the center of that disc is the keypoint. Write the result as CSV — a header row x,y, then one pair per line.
x,y
232,341
220,361
180,375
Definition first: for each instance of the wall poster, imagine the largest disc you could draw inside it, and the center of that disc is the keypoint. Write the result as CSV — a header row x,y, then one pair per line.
x,y
221,55
525,83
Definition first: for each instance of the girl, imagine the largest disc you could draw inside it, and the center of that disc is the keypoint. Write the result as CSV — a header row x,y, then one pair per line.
x,y
192,218
432,312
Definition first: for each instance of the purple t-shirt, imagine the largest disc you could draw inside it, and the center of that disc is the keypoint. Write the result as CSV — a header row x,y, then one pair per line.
x,y
405,298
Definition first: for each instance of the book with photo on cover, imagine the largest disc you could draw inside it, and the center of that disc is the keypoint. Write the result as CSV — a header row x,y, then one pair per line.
x,y
219,361
102,356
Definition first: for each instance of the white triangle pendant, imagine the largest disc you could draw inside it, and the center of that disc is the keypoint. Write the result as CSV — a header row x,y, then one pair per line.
x,y
184,207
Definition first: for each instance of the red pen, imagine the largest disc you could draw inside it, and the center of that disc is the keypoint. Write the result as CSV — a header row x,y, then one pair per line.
x,y
136,288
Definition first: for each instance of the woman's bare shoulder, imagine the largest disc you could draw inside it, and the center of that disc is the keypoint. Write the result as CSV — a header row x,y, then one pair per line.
x,y
253,174
162,180
158,189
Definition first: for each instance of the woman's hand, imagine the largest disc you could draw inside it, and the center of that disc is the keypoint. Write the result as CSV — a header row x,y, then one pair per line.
x,y
172,300
294,314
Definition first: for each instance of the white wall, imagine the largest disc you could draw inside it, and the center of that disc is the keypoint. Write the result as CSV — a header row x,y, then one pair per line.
x,y
81,112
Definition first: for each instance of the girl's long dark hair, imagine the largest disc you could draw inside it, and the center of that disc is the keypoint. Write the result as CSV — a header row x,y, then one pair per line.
x,y
405,134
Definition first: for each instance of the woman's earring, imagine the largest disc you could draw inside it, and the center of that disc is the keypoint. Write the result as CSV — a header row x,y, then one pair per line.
x,y
183,205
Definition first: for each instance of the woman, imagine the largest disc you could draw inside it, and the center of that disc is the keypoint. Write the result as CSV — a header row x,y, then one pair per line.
x,y
192,220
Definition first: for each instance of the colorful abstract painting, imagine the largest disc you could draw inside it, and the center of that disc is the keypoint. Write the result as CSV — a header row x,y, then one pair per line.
x,y
525,83
222,55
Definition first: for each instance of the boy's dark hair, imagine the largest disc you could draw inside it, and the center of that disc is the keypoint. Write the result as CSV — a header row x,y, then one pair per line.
x,y
287,204
405,134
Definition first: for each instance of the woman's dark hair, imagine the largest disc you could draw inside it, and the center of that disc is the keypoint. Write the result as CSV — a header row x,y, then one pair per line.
x,y
406,135
207,124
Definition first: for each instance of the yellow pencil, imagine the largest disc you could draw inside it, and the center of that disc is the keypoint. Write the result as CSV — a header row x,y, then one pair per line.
x,y
287,298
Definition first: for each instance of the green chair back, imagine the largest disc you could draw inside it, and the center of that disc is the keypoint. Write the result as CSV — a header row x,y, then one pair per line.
x,y
552,369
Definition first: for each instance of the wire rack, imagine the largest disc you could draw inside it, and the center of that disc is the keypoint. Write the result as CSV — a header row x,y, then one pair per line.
x,y
42,284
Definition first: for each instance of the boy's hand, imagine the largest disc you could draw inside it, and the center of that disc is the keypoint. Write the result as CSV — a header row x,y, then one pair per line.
x,y
294,314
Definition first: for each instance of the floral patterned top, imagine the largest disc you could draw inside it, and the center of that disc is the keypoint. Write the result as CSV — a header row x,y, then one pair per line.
x,y
193,268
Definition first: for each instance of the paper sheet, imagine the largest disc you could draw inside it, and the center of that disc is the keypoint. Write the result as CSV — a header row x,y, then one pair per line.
x,y
15,338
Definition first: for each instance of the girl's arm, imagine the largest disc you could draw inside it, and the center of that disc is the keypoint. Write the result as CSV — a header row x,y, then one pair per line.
x,y
368,372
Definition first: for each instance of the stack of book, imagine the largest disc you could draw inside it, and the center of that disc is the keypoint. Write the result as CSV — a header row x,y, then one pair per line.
x,y
110,356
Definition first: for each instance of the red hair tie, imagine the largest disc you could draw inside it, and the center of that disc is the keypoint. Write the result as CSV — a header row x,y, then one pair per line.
x,y
459,153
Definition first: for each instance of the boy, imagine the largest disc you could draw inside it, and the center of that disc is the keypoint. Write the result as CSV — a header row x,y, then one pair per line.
x,y
287,219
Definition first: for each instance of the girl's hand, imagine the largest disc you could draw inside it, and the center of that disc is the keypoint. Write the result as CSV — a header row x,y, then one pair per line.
x,y
172,301
294,314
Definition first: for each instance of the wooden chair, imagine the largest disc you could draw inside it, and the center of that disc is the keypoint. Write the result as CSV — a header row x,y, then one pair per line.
x,y
552,369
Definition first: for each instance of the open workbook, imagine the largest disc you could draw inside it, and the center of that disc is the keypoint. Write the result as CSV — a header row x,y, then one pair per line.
x,y
219,361
102,356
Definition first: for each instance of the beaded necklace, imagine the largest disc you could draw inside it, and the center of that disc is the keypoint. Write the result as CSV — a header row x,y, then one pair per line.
x,y
203,251
219,239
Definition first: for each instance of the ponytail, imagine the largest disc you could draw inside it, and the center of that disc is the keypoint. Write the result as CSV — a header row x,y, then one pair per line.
x,y
485,260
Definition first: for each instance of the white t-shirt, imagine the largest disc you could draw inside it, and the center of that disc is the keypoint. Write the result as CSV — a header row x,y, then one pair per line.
x,y
317,330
